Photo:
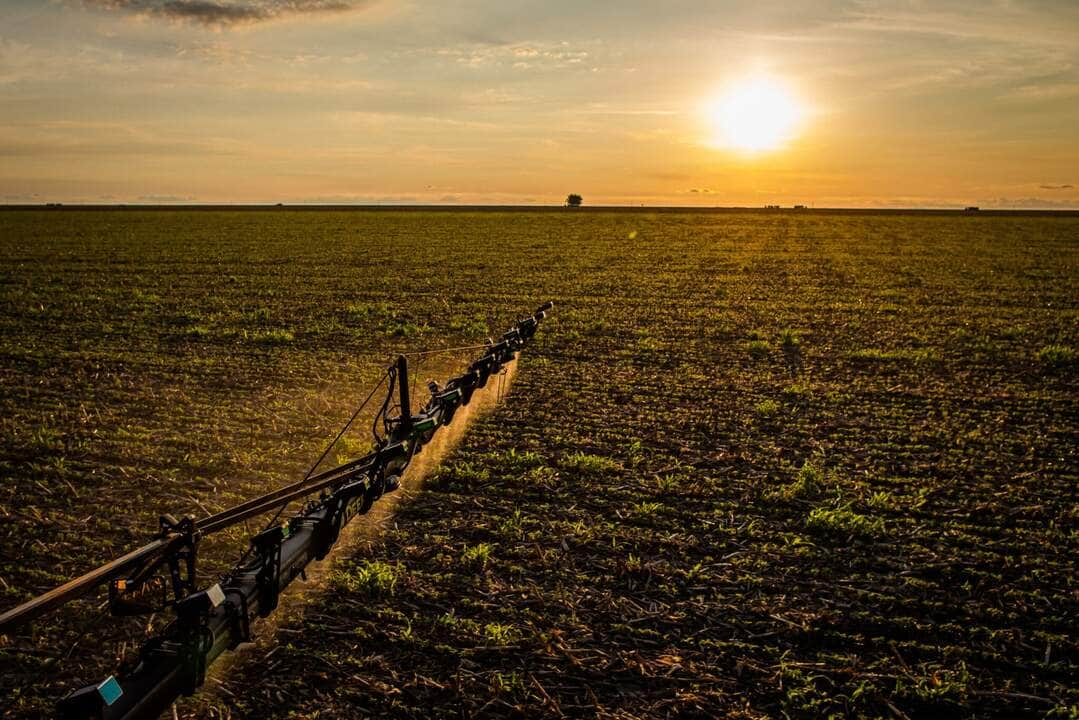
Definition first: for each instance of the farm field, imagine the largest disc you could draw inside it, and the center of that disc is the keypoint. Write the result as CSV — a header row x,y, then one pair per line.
x,y
754,464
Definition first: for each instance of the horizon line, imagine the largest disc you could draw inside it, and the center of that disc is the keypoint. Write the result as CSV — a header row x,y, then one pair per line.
x,y
971,209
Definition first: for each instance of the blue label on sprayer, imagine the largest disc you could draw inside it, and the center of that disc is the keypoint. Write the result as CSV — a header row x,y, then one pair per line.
x,y
110,690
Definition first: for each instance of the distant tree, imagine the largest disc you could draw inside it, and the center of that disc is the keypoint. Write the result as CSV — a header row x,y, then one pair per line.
x,y
573,200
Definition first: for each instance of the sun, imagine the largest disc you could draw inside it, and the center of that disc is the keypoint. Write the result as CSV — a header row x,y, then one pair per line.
x,y
755,115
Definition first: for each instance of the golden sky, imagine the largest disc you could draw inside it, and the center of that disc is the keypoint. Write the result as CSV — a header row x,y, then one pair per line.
x,y
941,103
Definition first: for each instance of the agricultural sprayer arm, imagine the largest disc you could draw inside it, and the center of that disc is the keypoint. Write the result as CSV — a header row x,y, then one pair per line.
x,y
211,620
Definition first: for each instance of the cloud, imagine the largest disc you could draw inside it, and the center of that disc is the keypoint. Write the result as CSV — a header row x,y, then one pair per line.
x,y
359,200
1042,89
518,56
1032,203
221,13
166,198
1056,187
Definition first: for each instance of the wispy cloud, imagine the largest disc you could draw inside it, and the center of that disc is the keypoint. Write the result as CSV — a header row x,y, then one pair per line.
x,y
1032,203
79,139
518,56
1010,21
167,198
1045,90
220,13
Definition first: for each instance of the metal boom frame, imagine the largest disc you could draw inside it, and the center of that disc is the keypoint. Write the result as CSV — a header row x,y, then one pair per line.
x,y
218,618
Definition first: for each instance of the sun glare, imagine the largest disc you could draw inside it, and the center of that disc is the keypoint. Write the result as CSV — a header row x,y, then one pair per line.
x,y
756,115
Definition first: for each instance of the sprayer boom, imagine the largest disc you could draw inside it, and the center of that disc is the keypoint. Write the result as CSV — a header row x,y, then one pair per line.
x,y
208,620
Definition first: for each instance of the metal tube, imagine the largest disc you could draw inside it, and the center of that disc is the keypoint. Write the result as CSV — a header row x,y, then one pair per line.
x,y
256,506
402,384
81,585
